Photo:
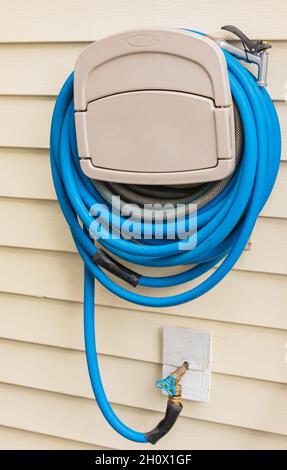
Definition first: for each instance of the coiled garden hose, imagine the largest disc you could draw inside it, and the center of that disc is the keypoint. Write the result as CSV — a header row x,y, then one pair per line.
x,y
224,224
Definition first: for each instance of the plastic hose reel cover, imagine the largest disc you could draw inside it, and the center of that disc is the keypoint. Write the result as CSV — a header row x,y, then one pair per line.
x,y
154,105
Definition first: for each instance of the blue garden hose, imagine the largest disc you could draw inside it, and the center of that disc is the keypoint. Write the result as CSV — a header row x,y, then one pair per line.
x,y
224,224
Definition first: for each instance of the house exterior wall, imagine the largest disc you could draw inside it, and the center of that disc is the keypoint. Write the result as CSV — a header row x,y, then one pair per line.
x,y
46,400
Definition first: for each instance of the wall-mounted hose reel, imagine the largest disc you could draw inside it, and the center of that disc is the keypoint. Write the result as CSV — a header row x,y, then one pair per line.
x,y
154,106
162,116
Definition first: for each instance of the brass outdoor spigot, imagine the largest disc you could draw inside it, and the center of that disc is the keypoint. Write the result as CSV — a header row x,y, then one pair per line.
x,y
171,384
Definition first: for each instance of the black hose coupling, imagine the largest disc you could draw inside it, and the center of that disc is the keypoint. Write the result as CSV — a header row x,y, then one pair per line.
x,y
104,260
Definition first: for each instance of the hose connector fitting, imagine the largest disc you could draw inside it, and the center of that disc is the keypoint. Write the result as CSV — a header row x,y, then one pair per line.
x,y
171,384
178,374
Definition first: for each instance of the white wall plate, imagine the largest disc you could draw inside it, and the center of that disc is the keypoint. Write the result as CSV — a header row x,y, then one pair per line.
x,y
185,344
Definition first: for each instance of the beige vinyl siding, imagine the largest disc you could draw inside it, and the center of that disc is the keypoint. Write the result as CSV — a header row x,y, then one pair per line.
x,y
46,400
62,365
88,20
17,439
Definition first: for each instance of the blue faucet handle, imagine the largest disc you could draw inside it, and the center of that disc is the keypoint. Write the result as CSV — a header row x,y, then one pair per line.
x,y
167,384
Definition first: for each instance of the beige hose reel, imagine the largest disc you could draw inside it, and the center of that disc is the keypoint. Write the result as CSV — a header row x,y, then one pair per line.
x,y
154,107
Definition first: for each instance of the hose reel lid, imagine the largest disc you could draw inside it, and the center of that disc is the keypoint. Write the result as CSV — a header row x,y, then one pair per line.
x,y
154,107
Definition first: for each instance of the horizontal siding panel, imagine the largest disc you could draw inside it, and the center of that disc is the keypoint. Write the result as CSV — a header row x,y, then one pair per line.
x,y
33,167
262,357
235,401
17,439
272,232
47,229
79,419
43,68
242,297
36,69
36,182
281,108
25,121
276,205
67,20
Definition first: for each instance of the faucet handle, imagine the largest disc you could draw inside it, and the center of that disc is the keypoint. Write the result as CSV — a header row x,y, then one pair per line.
x,y
171,383
167,384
